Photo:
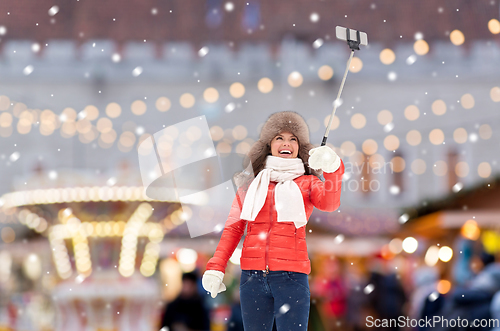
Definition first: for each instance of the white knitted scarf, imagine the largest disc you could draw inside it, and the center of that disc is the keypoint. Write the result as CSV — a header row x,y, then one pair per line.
x,y
288,198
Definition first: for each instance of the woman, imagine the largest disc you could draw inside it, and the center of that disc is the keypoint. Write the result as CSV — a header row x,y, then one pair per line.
x,y
275,208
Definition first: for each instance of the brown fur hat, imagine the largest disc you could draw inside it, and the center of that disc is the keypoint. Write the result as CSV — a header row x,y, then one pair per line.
x,y
285,121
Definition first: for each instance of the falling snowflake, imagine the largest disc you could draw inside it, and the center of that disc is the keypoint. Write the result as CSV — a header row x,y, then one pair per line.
x,y
203,51
218,227
53,174
229,6
79,279
137,71
208,152
339,238
230,107
392,76
116,57
53,10
318,43
404,218
394,190
285,308
388,127
35,47
433,296
139,130
28,70
457,187
111,181
369,289
14,156
411,59
3,30
82,115
314,17
338,102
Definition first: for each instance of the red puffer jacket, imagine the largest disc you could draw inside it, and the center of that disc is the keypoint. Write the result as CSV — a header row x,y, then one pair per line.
x,y
274,245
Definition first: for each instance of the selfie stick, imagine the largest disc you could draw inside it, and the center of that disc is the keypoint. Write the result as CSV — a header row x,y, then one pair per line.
x,y
362,39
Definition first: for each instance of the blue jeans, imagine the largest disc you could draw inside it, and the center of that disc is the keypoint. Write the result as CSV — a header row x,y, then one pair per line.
x,y
280,295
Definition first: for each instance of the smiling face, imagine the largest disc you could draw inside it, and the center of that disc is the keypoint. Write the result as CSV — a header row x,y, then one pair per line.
x,y
285,145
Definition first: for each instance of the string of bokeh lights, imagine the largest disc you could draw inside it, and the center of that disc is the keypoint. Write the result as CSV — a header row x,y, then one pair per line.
x,y
70,123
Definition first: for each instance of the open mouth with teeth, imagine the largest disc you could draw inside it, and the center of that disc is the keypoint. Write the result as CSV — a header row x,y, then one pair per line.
x,y
285,152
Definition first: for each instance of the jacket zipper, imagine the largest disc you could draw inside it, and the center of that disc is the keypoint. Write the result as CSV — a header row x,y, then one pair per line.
x,y
269,231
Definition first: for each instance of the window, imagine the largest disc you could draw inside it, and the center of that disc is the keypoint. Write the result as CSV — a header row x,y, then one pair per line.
x,y
251,15
452,163
397,169
213,17
366,176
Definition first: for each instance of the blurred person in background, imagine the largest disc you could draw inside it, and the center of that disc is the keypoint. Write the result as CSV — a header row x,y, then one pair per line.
x,y
462,271
475,300
330,290
495,303
388,298
484,285
187,312
357,303
495,311
487,272
425,300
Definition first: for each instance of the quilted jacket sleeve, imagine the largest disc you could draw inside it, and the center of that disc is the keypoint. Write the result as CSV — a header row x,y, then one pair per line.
x,y
326,196
231,236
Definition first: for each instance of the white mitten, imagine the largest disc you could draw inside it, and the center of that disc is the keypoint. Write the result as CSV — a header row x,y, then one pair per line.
x,y
324,158
212,282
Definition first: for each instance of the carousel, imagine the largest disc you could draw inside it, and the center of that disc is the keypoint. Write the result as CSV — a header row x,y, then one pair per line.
x,y
104,244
